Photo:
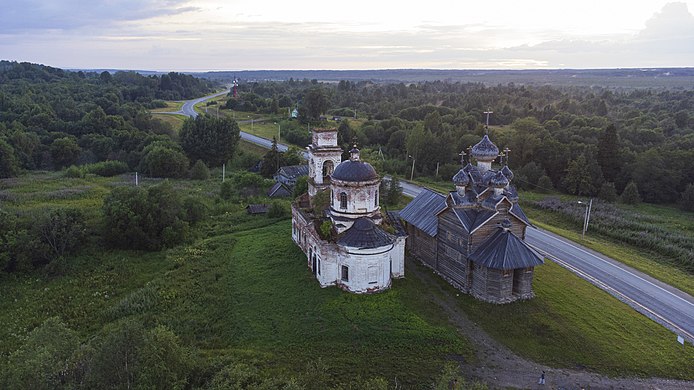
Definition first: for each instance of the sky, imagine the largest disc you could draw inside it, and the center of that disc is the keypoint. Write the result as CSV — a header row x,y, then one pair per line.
x,y
201,35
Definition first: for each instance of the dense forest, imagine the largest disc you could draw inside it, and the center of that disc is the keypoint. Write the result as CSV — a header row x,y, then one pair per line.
x,y
51,118
590,141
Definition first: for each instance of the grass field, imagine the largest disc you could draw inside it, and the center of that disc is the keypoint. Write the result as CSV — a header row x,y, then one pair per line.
x,y
175,120
171,106
242,290
650,262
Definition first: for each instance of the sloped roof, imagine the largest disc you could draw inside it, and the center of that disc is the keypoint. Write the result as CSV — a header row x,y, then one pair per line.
x,y
257,208
518,213
503,250
279,190
293,171
396,223
364,234
481,218
421,211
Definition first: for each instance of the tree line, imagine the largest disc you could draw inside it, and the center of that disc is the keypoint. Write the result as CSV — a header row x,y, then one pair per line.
x,y
592,141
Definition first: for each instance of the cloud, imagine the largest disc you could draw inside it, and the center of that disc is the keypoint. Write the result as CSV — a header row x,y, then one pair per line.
x,y
19,16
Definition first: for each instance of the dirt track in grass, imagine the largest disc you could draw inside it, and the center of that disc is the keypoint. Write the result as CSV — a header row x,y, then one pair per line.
x,y
501,368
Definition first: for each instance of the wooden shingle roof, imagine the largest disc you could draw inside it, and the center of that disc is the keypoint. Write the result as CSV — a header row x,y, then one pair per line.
x,y
421,211
504,250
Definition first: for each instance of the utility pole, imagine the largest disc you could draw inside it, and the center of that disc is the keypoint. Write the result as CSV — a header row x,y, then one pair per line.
x,y
412,172
224,168
137,182
586,217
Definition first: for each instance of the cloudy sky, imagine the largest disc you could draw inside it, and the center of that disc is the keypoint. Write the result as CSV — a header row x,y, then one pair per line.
x,y
201,35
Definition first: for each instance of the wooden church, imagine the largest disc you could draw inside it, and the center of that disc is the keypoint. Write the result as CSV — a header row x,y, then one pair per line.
x,y
474,236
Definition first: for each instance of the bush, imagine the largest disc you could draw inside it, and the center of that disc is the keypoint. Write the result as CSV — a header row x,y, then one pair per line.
x,y
199,171
150,219
226,190
277,210
107,168
195,210
630,195
61,231
74,172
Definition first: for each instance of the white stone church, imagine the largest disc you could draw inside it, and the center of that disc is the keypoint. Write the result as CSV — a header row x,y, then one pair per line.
x,y
338,224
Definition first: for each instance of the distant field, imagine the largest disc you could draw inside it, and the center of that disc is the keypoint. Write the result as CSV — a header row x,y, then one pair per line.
x,y
171,106
176,121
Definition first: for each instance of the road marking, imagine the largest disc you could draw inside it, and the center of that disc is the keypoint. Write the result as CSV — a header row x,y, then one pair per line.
x,y
603,285
618,267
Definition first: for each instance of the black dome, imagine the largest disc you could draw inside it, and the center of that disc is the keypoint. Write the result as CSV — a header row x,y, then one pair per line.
x,y
365,234
354,171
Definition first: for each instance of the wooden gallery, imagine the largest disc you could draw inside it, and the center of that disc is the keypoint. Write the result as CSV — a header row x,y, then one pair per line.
x,y
474,236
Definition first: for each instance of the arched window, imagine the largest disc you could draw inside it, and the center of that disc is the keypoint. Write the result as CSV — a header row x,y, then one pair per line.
x,y
343,200
376,199
328,168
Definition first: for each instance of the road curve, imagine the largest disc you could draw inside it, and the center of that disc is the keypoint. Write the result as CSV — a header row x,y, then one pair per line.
x,y
661,302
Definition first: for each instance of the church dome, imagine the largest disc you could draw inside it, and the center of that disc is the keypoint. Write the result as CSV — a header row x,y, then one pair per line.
x,y
351,170
507,172
485,150
461,178
364,234
498,180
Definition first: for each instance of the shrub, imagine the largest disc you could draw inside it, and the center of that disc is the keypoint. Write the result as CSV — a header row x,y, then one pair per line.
x,y
74,172
62,231
226,190
144,219
107,168
277,210
630,195
199,171
195,210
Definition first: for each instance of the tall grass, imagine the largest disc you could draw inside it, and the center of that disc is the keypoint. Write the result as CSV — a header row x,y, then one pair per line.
x,y
641,230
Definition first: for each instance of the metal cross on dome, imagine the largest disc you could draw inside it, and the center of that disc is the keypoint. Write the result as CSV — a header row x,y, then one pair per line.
x,y
488,112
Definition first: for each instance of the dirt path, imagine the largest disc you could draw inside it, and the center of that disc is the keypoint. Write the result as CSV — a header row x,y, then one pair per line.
x,y
501,368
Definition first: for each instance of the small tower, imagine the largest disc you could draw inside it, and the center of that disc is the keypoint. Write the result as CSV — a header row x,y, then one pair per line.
x,y
323,156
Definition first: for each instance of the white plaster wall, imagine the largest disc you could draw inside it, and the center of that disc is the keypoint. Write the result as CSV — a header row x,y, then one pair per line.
x,y
360,200
397,256
359,262
324,138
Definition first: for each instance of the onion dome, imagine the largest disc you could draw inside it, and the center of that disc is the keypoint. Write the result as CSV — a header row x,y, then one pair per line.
x,y
364,234
485,150
506,224
507,172
498,180
461,178
354,154
354,170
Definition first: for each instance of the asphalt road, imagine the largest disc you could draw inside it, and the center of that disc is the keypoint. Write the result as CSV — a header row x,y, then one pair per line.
x,y
188,108
665,304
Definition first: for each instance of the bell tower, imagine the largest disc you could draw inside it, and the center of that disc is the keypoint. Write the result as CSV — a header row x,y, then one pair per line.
x,y
323,156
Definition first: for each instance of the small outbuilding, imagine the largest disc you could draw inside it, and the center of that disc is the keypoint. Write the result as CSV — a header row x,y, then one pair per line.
x,y
255,209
